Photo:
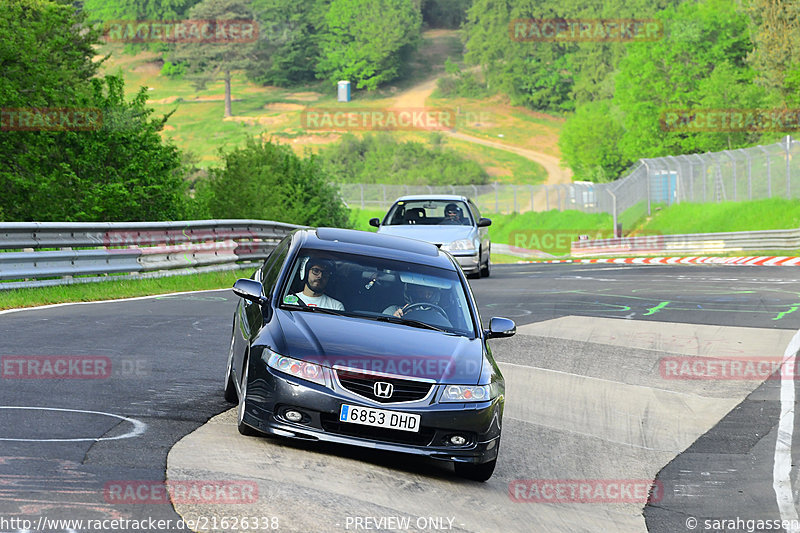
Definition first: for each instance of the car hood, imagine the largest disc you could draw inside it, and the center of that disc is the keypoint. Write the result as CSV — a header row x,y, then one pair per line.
x,y
378,347
441,234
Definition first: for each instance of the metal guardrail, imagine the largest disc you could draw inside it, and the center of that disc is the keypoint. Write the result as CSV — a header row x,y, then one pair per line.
x,y
56,253
693,243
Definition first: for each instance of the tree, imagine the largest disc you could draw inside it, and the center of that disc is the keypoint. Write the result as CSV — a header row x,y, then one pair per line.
x,y
120,171
775,26
367,41
40,66
287,51
589,142
208,61
700,63
106,10
544,74
117,169
269,181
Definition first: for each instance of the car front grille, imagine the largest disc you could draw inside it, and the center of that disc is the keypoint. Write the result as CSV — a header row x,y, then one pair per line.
x,y
404,390
423,437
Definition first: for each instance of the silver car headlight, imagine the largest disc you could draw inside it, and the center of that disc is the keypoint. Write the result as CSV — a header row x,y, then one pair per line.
x,y
461,245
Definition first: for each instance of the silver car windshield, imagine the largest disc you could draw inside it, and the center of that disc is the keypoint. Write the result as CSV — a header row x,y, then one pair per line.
x,y
379,289
429,213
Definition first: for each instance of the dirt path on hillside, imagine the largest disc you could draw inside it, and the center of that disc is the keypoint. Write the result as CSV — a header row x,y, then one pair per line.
x,y
416,97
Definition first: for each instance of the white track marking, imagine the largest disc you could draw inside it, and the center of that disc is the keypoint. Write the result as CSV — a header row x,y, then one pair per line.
x,y
139,427
782,467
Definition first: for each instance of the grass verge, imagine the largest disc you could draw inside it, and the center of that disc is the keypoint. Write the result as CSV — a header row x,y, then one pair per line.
x,y
114,289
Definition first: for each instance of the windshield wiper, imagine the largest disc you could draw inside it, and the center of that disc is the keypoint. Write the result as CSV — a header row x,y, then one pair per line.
x,y
304,307
409,322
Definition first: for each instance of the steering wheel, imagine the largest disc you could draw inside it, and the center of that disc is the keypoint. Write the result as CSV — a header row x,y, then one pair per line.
x,y
422,305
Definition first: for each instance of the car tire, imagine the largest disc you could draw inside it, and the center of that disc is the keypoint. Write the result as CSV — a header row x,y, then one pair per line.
x,y
244,429
486,269
475,472
230,387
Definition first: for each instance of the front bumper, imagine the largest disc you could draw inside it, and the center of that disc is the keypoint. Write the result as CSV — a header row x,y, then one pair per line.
x,y
470,263
270,394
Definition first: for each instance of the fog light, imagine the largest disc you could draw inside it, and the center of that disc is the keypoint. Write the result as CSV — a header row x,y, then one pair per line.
x,y
458,440
293,416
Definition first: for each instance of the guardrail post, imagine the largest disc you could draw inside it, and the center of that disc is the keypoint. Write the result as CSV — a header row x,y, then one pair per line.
x,y
496,208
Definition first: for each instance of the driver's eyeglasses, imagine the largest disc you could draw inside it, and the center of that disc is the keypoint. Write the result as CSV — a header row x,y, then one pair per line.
x,y
319,272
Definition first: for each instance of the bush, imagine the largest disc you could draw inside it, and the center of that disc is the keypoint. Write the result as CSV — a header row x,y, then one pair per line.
x,y
270,182
459,83
380,158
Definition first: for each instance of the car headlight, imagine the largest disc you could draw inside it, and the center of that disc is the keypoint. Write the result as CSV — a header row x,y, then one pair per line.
x,y
294,367
461,245
469,393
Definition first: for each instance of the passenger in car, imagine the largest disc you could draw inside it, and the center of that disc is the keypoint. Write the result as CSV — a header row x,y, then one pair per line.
x,y
318,272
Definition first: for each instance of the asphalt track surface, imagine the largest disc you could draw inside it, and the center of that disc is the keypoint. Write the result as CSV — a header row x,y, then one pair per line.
x,y
587,400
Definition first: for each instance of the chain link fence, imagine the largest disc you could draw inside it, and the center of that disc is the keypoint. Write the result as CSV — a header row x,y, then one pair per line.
x,y
494,198
731,175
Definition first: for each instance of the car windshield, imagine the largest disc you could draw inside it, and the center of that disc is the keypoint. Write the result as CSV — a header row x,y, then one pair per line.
x,y
429,213
375,288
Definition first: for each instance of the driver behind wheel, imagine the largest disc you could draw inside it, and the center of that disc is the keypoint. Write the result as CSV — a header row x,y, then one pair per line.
x,y
417,296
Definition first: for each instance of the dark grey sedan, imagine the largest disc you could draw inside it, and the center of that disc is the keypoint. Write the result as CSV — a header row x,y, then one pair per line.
x,y
369,340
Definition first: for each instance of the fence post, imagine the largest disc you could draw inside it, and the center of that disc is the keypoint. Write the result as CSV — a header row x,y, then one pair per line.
x,y
788,170
533,207
362,195
749,173
769,172
647,178
734,172
613,210
678,178
514,188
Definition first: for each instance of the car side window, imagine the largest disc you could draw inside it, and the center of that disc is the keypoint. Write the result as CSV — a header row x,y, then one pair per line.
x,y
272,266
475,213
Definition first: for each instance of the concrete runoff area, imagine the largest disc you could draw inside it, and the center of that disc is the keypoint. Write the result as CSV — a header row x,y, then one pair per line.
x,y
585,401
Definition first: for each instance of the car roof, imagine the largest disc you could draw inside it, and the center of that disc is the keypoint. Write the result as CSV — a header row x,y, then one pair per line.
x,y
375,245
443,197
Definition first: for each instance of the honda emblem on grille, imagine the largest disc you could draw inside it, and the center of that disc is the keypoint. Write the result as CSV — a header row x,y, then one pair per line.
x,y
381,389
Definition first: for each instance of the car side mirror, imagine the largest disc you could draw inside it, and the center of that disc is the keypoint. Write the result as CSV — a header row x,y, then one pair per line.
x,y
249,289
375,222
500,327
484,222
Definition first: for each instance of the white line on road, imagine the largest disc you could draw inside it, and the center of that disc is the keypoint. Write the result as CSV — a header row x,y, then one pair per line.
x,y
139,427
782,467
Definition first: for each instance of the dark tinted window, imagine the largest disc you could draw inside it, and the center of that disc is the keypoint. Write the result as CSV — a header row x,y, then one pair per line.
x,y
272,266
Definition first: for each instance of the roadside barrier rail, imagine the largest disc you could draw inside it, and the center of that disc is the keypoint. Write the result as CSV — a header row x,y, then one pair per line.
x,y
693,243
56,253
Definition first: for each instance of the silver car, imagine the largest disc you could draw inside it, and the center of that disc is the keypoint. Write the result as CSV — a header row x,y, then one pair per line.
x,y
451,222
